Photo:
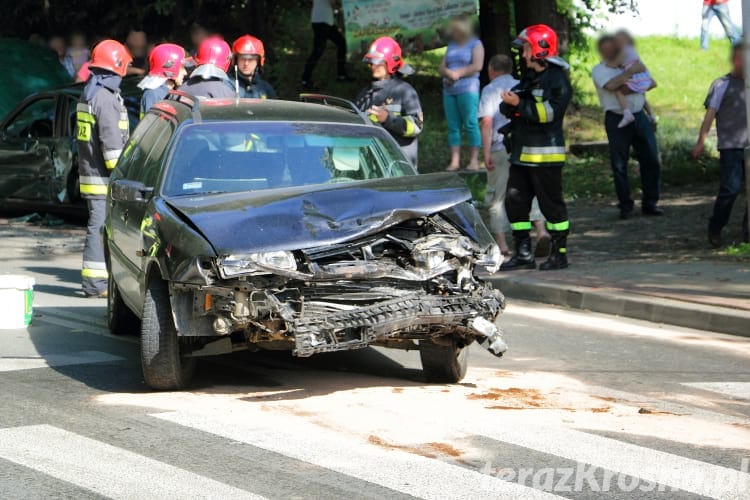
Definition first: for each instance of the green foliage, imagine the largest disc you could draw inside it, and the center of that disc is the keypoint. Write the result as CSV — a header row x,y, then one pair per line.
x,y
582,15
740,250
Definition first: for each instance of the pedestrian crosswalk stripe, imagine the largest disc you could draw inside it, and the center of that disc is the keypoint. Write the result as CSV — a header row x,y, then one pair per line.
x,y
14,363
628,459
737,390
394,469
106,469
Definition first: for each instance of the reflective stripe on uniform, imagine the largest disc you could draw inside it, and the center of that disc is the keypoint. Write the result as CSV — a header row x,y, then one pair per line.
x,y
545,112
91,269
94,273
94,179
93,190
558,226
124,122
521,226
93,185
547,154
411,128
111,157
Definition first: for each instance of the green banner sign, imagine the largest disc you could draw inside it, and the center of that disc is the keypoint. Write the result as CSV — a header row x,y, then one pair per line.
x,y
417,24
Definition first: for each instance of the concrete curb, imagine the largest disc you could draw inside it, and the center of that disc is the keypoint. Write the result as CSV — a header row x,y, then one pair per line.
x,y
627,304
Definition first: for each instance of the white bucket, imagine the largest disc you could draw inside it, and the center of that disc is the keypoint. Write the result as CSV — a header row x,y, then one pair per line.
x,y
16,301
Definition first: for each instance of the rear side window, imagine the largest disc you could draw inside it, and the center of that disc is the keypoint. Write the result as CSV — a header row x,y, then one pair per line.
x,y
142,158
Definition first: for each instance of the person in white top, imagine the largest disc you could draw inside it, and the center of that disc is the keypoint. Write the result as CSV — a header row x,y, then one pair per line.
x,y
324,29
496,157
639,135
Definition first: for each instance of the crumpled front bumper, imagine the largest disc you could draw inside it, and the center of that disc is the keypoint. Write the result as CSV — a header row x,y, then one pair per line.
x,y
471,314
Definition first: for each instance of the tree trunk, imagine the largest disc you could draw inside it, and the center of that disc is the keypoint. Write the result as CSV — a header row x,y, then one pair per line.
x,y
495,29
529,12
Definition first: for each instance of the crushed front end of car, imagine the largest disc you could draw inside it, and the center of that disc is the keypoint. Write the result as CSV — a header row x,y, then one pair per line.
x,y
410,282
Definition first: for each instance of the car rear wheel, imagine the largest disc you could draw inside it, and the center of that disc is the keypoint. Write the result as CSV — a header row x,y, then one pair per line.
x,y
164,366
120,318
444,361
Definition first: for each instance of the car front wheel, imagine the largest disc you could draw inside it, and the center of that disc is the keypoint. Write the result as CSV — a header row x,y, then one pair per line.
x,y
164,366
444,361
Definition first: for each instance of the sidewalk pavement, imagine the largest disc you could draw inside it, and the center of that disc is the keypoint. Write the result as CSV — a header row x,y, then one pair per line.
x,y
711,296
659,269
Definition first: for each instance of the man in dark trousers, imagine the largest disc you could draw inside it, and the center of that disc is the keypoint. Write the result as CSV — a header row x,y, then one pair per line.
x,y
102,131
726,104
324,29
639,135
536,108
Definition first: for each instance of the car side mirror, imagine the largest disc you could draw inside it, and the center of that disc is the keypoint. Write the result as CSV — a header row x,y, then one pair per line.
x,y
127,190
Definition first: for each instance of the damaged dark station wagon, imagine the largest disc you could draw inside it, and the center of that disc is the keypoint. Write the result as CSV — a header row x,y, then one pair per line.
x,y
299,226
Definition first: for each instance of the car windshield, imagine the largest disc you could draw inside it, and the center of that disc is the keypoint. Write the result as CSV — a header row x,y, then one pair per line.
x,y
251,156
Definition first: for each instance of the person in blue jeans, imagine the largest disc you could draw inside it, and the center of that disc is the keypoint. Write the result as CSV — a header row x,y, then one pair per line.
x,y
719,9
638,135
725,103
460,69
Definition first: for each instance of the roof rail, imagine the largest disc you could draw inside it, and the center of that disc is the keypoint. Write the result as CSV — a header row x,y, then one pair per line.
x,y
186,99
329,100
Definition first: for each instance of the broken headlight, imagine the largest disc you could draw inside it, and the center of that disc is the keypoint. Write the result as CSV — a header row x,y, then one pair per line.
x,y
492,259
429,259
262,262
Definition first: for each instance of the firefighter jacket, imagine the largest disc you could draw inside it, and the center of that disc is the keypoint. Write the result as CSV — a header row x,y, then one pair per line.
x,y
253,88
152,96
102,131
405,117
536,129
209,82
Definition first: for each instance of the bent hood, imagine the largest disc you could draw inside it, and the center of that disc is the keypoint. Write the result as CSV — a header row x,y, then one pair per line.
x,y
312,216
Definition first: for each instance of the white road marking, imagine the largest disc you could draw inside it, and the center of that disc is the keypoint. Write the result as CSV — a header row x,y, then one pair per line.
x,y
105,469
395,469
624,458
14,363
737,390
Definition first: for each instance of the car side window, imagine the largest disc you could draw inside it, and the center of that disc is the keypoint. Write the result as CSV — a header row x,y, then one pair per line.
x,y
154,145
134,154
36,120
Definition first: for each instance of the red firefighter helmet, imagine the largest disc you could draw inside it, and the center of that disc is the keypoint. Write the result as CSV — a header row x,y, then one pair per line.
x,y
112,56
542,39
386,51
214,50
165,60
248,45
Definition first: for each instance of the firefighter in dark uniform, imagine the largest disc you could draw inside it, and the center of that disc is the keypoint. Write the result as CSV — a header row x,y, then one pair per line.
x,y
209,79
166,71
389,100
102,131
249,59
536,107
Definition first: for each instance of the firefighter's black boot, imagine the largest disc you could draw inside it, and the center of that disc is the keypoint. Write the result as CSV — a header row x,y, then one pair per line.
x,y
523,258
558,257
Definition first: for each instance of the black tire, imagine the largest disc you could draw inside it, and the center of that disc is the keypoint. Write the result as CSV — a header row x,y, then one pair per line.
x,y
443,364
164,368
120,319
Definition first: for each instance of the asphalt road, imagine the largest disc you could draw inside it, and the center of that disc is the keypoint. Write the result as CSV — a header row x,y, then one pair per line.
x,y
582,406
